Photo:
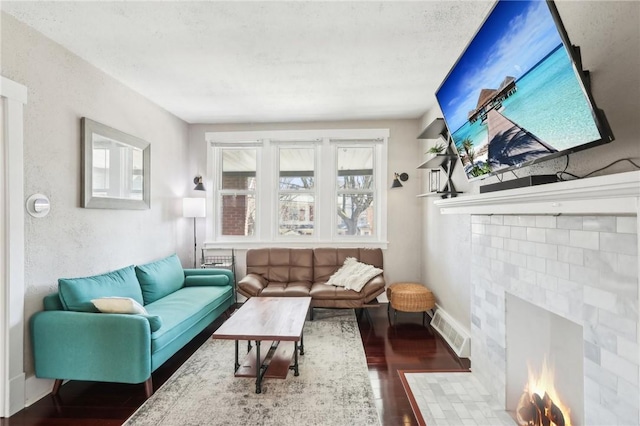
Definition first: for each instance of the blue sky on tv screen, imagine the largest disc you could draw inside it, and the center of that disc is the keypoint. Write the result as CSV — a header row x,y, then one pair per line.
x,y
514,38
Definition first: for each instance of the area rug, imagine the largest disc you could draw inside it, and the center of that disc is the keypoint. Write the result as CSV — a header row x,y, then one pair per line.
x,y
333,387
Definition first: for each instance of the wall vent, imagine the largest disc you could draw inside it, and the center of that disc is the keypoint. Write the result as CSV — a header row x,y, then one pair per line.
x,y
452,333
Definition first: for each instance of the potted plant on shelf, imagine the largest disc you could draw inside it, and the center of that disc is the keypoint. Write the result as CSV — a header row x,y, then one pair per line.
x,y
436,149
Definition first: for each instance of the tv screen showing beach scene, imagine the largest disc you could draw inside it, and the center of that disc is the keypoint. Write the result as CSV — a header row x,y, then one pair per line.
x,y
515,96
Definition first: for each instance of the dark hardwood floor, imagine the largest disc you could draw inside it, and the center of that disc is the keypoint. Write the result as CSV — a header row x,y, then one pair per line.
x,y
405,346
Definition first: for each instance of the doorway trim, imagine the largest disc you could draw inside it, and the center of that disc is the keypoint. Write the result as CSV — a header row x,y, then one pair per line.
x,y
12,253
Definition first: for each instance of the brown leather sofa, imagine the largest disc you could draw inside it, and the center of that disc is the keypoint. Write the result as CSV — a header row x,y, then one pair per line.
x,y
279,272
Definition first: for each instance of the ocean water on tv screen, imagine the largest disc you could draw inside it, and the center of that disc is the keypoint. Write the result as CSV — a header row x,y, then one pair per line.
x,y
549,102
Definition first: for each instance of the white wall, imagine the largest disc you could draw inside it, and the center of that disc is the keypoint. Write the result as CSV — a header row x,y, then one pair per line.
x,y
72,241
402,258
608,33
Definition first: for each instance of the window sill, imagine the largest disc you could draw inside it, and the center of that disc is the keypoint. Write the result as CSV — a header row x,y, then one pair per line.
x,y
296,244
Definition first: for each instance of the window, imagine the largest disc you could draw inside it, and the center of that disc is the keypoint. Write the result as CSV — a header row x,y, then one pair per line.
x,y
237,194
355,191
296,191
301,187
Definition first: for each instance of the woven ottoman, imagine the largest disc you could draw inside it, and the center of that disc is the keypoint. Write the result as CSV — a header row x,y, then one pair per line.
x,y
409,297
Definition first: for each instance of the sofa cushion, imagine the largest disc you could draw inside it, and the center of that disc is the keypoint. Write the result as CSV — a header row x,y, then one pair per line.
x,y
281,264
160,278
182,309
76,293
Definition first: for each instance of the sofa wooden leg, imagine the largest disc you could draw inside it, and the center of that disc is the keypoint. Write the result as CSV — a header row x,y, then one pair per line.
x,y
148,387
56,386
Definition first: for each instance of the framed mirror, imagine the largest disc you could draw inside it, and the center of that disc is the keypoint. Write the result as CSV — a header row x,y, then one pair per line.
x,y
115,170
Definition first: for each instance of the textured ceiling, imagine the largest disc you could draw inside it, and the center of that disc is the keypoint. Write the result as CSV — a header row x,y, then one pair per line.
x,y
243,62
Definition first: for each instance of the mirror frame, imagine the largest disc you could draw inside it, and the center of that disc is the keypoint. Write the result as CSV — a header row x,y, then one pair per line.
x,y
88,128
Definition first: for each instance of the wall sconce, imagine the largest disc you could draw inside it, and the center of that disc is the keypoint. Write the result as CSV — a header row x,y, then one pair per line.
x,y
198,181
434,180
38,205
399,177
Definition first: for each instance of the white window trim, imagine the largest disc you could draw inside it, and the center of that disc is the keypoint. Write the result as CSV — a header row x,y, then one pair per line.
x,y
330,139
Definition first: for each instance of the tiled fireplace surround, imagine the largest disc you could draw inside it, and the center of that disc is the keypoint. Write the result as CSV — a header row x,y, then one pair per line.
x,y
570,248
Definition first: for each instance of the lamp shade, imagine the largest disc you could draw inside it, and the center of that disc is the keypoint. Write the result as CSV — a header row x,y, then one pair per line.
x,y
194,207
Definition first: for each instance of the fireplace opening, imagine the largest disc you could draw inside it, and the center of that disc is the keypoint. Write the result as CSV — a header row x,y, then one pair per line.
x,y
544,359
540,403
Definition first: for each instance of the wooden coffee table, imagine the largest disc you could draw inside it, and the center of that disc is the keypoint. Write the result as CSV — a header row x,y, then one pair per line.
x,y
274,321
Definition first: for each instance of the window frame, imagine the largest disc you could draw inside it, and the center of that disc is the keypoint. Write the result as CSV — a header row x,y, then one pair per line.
x,y
326,143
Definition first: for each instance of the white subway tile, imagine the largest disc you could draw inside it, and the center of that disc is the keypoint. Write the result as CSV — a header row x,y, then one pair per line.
x,y
572,255
600,298
497,219
545,221
619,366
619,243
584,239
569,222
547,251
599,223
537,264
627,224
476,218
628,350
557,236
536,234
558,269
518,233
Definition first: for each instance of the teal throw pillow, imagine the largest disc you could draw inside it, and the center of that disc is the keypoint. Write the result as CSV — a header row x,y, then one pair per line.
x,y
204,280
76,293
160,278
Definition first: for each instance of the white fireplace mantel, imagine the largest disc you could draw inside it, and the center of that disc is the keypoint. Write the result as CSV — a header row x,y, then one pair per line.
x,y
611,194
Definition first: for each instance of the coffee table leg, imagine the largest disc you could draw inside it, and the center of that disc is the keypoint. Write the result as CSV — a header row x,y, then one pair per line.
x,y
295,359
259,372
301,343
237,364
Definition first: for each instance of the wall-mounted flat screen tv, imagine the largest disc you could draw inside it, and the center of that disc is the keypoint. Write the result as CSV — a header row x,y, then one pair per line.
x,y
517,95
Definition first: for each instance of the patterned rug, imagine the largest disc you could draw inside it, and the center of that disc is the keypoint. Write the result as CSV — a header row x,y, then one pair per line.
x,y
333,387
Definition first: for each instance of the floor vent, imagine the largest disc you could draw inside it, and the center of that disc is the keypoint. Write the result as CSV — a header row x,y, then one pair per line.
x,y
451,331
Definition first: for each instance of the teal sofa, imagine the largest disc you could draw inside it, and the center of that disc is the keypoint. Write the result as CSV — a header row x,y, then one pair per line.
x,y
73,340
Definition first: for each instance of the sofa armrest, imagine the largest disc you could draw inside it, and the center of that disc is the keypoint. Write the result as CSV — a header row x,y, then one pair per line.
x,y
252,285
91,346
208,276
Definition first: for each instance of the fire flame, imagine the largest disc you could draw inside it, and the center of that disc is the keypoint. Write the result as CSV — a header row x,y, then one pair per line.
x,y
543,386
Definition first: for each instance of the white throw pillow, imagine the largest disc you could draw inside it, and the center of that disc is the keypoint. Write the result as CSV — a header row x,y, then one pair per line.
x,y
119,305
353,275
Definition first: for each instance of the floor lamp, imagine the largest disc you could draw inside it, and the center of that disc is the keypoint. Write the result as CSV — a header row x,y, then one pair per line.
x,y
194,207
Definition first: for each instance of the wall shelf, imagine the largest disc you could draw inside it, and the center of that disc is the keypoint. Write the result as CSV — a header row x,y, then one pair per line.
x,y
434,130
445,161
436,161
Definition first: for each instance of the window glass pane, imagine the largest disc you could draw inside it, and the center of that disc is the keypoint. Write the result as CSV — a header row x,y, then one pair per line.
x,y
238,214
296,168
296,214
355,214
239,168
355,168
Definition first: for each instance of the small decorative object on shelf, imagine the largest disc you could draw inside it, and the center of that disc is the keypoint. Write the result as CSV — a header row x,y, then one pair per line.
x,y
434,180
444,160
